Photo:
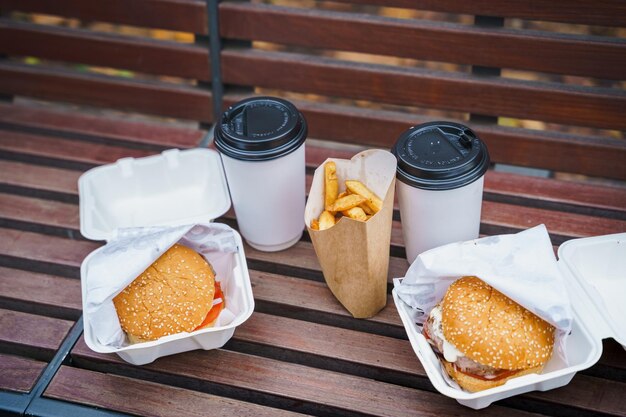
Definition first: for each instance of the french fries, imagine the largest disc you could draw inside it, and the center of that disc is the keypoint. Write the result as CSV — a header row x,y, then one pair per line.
x,y
326,220
367,209
331,185
372,200
343,194
357,202
355,213
346,203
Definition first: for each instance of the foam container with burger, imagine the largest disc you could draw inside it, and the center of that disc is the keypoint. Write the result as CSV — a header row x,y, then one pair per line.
x,y
142,207
590,273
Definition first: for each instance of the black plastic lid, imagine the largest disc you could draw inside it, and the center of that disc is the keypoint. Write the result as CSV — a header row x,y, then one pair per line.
x,y
259,129
440,156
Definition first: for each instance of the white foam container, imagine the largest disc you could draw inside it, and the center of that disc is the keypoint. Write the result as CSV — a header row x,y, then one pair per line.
x,y
169,189
595,273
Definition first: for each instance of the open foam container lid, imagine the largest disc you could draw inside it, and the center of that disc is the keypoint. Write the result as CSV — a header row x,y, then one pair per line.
x,y
594,269
169,189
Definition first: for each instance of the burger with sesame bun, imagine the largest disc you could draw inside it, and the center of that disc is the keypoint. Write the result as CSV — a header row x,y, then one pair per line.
x,y
177,293
483,338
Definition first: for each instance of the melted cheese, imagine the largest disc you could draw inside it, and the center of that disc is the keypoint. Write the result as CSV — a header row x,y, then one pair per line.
x,y
450,353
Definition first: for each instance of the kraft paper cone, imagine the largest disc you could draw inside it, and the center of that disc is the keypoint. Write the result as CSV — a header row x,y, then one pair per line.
x,y
354,255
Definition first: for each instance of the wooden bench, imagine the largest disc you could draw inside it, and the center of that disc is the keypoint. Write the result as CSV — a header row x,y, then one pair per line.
x,y
71,98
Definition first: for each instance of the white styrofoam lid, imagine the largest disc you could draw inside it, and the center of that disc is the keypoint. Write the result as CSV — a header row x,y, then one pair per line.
x,y
599,265
172,188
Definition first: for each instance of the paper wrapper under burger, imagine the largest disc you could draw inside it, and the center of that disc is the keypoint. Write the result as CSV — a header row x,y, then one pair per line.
x,y
354,255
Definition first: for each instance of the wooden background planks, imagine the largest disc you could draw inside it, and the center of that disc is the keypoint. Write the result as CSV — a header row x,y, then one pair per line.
x,y
424,40
310,62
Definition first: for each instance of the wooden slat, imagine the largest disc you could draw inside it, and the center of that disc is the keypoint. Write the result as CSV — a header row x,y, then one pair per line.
x,y
595,107
108,50
299,383
302,297
593,156
40,289
122,94
32,247
41,178
385,353
576,193
559,223
19,374
586,155
436,41
602,12
180,15
23,329
65,149
38,211
307,295
190,15
592,394
77,385
73,123
302,255
389,354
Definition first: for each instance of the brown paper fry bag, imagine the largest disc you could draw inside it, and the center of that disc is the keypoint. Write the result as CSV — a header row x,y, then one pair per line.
x,y
354,255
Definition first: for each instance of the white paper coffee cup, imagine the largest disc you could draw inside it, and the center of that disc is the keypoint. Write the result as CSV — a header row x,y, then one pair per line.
x,y
441,167
261,141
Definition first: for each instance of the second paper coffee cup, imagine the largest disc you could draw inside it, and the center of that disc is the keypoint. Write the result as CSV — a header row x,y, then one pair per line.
x,y
261,141
441,167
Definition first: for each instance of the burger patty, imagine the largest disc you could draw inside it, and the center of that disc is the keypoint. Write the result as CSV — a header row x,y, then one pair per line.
x,y
434,334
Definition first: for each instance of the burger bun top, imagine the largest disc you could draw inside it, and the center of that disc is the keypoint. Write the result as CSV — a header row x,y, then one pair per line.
x,y
172,295
493,330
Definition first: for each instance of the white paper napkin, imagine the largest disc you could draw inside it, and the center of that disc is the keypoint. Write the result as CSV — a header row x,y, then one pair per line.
x,y
522,266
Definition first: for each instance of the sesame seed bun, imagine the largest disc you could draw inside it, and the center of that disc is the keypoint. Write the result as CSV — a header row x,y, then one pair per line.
x,y
493,330
172,295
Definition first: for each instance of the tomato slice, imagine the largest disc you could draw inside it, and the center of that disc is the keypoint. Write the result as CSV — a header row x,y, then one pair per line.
x,y
215,310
